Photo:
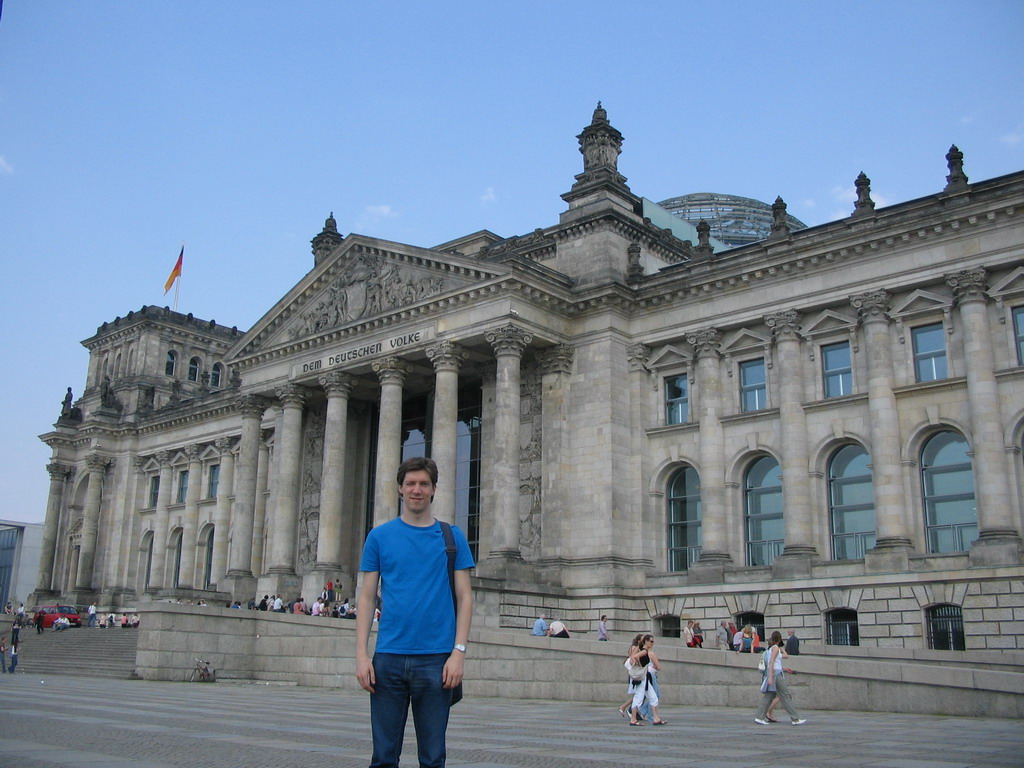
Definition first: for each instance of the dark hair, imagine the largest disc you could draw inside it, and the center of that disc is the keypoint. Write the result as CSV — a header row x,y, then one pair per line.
x,y
776,637
415,464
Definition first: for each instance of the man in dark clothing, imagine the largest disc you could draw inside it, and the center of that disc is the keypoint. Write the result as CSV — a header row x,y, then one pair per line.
x,y
793,644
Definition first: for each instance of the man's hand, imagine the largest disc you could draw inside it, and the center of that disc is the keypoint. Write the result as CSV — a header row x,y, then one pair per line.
x,y
364,672
452,674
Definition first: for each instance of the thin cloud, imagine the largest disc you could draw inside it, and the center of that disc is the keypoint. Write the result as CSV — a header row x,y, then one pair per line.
x,y
1011,139
5,167
372,216
488,196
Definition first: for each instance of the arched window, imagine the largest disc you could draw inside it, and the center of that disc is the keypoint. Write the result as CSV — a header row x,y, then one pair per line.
x,y
117,366
841,627
193,369
684,526
668,626
148,560
208,560
755,620
177,557
947,481
851,503
762,492
216,375
945,626
171,363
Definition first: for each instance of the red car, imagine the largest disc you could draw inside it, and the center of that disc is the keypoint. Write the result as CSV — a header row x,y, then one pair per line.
x,y
47,614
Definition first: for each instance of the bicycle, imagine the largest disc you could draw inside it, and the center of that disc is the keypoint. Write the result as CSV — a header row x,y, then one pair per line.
x,y
203,673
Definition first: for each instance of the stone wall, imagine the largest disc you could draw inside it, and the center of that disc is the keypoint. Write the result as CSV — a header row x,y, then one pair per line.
x,y
268,647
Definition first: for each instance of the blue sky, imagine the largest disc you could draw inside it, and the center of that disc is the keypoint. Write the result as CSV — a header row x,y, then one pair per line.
x,y
236,127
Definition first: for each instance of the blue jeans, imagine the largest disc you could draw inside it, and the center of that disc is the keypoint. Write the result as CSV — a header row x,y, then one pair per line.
x,y
401,680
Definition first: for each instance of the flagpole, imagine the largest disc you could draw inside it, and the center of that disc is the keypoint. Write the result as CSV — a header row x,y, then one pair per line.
x,y
177,283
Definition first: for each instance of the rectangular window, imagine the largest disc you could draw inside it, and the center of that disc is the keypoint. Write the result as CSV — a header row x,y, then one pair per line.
x,y
753,385
212,481
182,486
154,490
929,352
837,369
677,400
1018,333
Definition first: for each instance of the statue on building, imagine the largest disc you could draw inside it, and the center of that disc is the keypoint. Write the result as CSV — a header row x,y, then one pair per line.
x,y
68,410
107,397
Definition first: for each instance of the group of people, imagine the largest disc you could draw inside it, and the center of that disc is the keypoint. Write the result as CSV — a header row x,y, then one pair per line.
x,y
321,606
126,621
556,628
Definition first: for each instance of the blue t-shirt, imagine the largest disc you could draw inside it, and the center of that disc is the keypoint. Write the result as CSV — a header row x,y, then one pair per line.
x,y
416,615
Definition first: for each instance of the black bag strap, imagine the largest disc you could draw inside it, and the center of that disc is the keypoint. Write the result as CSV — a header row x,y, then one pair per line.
x,y
449,548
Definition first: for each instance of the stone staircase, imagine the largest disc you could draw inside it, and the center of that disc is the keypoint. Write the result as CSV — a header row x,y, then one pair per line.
x,y
78,651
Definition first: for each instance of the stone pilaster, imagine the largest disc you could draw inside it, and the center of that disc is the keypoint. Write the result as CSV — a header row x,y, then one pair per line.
x,y
556,460
59,476
161,524
508,343
392,372
259,522
190,529
447,358
287,455
332,478
892,539
999,539
239,574
799,550
222,515
714,556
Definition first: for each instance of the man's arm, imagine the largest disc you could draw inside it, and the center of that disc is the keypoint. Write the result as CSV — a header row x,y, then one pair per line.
x,y
366,604
453,668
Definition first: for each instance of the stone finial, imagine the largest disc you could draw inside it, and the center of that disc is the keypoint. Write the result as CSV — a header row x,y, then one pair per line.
x,y
956,181
780,227
864,205
600,143
634,269
704,247
327,240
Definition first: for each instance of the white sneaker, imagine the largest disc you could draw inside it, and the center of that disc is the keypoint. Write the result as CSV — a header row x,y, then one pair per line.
x,y
799,722
759,721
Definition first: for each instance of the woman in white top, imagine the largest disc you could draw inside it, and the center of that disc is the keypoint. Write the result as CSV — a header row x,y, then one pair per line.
x,y
774,682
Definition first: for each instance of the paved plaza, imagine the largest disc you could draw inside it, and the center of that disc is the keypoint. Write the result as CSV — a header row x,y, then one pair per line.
x,y
99,723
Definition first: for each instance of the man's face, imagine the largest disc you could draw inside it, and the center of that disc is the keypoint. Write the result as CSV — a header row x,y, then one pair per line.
x,y
416,491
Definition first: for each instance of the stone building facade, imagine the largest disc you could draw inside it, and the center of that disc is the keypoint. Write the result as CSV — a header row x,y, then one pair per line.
x,y
821,430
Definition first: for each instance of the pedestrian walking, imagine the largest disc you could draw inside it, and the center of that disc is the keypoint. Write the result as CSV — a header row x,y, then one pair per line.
x,y
774,683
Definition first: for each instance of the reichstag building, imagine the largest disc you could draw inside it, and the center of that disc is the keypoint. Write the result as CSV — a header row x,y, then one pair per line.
x,y
818,430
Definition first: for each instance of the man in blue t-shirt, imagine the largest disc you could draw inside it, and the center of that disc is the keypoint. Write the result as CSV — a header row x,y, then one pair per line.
x,y
421,636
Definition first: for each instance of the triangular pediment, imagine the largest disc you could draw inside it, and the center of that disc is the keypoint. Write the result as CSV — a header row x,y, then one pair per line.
x,y
828,323
920,303
364,278
1009,286
669,356
744,340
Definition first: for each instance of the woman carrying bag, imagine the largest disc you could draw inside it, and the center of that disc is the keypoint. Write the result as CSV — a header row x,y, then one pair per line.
x,y
774,682
644,690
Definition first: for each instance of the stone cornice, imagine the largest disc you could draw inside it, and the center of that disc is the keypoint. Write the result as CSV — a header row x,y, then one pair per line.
x,y
826,246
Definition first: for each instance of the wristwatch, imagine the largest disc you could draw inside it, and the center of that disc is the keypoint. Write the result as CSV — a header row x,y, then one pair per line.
x,y
459,647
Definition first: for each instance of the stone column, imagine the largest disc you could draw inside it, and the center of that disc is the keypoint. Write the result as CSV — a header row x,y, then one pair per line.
x,y
288,455
999,539
796,490
392,372
332,477
243,508
190,528
556,461
714,554
97,466
892,539
59,475
222,515
260,516
508,343
447,358
161,523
